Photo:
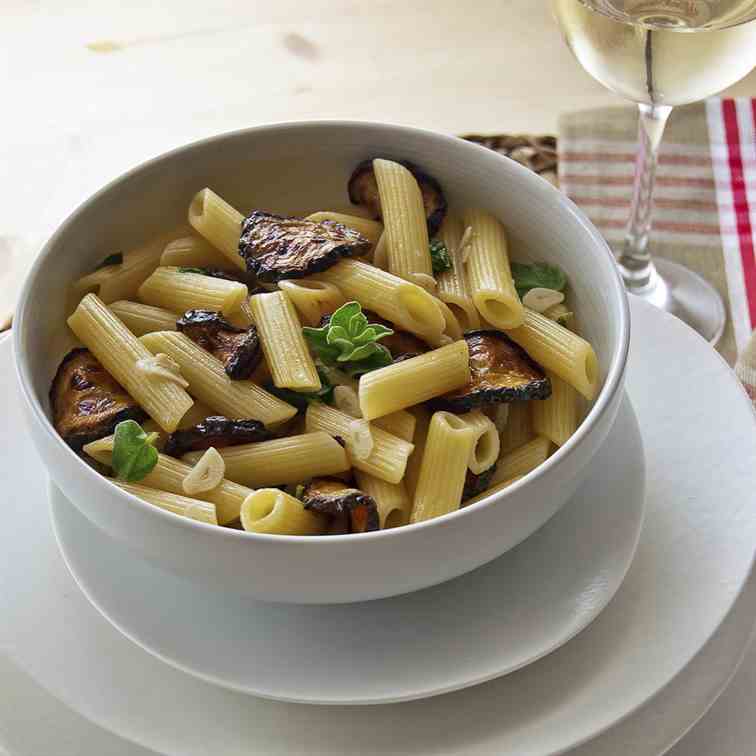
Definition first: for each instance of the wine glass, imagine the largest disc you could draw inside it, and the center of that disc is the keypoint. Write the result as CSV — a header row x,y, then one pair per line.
x,y
662,53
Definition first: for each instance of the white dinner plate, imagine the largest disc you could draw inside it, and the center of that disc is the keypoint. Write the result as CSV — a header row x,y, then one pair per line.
x,y
517,608
695,552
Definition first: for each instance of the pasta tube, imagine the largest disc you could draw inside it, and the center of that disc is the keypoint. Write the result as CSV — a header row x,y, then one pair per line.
x,y
369,228
563,352
521,461
119,351
415,380
453,285
274,512
218,222
519,426
486,443
444,467
194,509
192,252
141,318
313,299
210,384
496,489
400,424
393,503
179,290
411,476
491,283
557,417
286,352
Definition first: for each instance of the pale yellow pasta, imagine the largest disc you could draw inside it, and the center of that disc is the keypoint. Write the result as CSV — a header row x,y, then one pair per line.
x,y
563,352
369,228
496,489
443,468
403,219
209,383
518,429
286,353
400,424
313,299
168,475
194,509
218,222
453,285
422,417
388,459
452,327
274,512
486,443
557,417
115,282
405,304
493,290
380,252
415,380
141,318
193,252
241,318
290,459
178,290
394,505
119,351
522,460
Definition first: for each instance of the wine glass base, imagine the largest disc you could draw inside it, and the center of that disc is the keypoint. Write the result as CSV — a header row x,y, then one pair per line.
x,y
686,295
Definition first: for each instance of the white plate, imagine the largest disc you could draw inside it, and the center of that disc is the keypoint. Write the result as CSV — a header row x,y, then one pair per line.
x,y
694,555
517,608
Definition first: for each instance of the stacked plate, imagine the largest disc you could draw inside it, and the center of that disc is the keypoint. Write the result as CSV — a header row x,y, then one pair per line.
x,y
634,599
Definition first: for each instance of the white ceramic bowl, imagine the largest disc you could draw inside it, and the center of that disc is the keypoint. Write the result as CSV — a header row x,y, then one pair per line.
x,y
298,168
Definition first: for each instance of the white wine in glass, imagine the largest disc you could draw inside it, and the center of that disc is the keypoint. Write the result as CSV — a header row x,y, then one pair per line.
x,y
662,53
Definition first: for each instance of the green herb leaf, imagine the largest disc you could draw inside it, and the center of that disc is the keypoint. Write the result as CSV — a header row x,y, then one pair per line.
x,y
527,277
201,271
349,339
115,259
134,455
440,257
300,399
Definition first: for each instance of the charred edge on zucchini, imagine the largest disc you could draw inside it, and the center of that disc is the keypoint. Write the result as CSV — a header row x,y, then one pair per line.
x,y
237,348
334,498
476,484
87,402
217,431
363,190
501,371
401,344
275,247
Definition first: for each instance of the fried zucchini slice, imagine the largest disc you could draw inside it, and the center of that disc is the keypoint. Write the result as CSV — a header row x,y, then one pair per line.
x,y
476,484
217,431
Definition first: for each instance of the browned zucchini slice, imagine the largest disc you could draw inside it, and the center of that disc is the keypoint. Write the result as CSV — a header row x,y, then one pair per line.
x,y
217,431
275,247
363,190
335,498
501,371
87,402
237,348
476,484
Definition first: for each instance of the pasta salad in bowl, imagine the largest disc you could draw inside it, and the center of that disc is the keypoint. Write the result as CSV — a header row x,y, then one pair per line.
x,y
275,386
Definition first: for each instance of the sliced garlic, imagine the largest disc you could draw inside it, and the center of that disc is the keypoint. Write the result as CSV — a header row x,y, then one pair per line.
x,y
206,474
162,366
540,299
463,248
425,281
345,398
361,439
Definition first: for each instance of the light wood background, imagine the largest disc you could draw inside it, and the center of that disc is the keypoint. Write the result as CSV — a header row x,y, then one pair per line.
x,y
90,89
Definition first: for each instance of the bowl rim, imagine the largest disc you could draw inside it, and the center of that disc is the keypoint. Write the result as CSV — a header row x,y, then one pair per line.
x,y
604,256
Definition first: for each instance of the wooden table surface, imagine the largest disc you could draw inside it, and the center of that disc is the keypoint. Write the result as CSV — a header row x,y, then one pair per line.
x,y
91,89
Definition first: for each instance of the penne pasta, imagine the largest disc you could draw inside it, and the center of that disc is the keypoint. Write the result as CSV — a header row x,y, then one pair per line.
x,y
453,285
380,252
209,383
193,252
400,424
496,489
179,290
443,469
119,351
563,352
274,512
141,318
518,429
490,278
522,460
369,228
486,443
279,461
194,509
217,222
422,417
394,505
415,380
404,220
286,353
405,304
557,417
452,327
388,458
313,299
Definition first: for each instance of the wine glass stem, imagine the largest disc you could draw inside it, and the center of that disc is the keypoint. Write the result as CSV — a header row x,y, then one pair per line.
x,y
634,261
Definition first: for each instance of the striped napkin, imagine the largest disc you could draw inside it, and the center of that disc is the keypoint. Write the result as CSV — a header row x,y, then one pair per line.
x,y
705,199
